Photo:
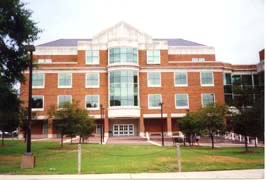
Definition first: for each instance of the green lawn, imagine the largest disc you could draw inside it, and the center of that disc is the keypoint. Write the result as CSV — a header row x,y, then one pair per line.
x,y
125,158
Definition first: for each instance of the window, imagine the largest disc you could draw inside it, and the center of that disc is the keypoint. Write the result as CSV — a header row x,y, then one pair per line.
x,y
154,79
38,80
37,103
207,98
64,99
123,88
153,56
206,78
154,101
181,101
64,80
198,59
92,101
92,80
236,80
123,55
247,80
180,79
92,57
227,79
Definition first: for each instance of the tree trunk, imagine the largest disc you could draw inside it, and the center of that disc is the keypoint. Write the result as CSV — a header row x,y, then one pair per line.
x,y
25,136
255,142
82,140
184,140
71,139
62,137
246,143
212,139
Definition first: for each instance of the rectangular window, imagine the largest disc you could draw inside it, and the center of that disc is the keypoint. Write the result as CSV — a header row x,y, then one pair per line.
x,y
206,78
92,80
247,80
63,99
180,78
153,57
154,79
207,98
38,80
227,79
154,101
65,80
236,80
181,101
92,101
92,57
37,103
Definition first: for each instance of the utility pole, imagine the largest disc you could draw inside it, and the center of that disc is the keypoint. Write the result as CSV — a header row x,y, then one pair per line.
x,y
162,123
101,106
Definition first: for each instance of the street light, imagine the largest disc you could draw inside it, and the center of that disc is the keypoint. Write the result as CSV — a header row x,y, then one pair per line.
x,y
162,124
28,160
101,107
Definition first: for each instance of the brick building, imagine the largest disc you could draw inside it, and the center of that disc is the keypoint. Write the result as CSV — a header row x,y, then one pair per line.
x,y
129,73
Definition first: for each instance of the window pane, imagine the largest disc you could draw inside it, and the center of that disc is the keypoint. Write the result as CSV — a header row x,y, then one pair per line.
x,y
207,99
37,79
247,80
64,99
154,78
227,79
65,79
92,57
153,56
180,78
37,102
206,78
181,100
123,55
92,101
236,80
92,80
154,100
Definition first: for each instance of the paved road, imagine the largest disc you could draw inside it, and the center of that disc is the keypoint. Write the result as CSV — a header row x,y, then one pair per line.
x,y
240,174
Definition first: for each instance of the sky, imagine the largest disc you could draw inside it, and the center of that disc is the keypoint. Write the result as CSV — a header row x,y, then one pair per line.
x,y
234,27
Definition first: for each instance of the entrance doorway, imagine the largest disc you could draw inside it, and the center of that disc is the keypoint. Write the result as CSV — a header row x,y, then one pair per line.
x,y
123,130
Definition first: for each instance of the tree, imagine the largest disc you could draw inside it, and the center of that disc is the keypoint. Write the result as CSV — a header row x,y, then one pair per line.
x,y
9,109
190,125
16,30
212,117
71,120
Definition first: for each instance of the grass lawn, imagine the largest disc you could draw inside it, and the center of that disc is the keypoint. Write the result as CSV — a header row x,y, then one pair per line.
x,y
125,158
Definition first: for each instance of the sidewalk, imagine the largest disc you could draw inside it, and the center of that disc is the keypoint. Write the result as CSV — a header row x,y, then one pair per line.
x,y
240,174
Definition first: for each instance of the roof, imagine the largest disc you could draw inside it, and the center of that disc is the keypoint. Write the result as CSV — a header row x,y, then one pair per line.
x,y
63,42
74,42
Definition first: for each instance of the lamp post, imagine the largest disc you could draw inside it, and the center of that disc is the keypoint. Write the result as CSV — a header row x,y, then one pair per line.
x,y
162,124
28,160
101,107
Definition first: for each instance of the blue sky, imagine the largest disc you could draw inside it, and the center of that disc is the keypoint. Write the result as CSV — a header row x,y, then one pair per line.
x,y
234,27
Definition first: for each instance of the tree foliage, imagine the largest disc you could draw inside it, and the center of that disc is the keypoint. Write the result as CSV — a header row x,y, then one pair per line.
x,y
72,120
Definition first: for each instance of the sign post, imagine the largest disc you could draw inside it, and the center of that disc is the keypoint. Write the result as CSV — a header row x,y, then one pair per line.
x,y
79,158
178,156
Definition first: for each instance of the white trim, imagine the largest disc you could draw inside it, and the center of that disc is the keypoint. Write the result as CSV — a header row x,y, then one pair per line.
x,y
151,85
38,109
59,63
124,112
39,87
92,57
204,85
41,50
60,86
159,107
191,50
171,69
154,115
63,95
178,115
123,67
98,97
202,98
125,63
147,61
92,86
72,70
95,116
40,118
181,85
243,72
182,107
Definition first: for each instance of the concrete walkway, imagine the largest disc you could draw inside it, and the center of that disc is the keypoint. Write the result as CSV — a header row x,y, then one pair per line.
x,y
240,174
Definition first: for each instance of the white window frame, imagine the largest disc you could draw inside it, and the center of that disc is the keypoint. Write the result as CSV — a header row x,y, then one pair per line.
x,y
60,86
149,107
151,85
212,84
181,85
98,97
39,109
98,60
182,107
43,84
153,56
58,100
202,105
92,86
